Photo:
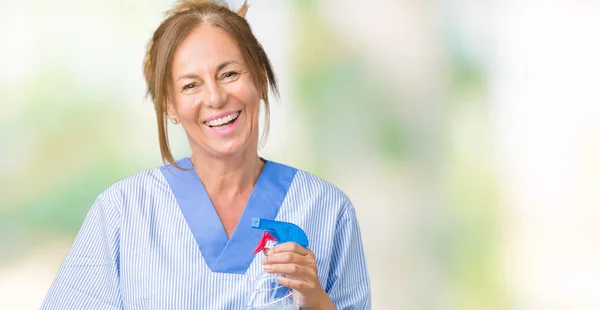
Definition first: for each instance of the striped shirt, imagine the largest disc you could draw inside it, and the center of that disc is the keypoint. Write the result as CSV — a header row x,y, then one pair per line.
x,y
154,241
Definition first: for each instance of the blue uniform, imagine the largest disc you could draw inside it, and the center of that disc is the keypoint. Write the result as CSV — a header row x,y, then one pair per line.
x,y
154,241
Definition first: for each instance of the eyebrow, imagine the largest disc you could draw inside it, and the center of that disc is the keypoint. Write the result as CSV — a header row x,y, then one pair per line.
x,y
225,64
195,76
187,76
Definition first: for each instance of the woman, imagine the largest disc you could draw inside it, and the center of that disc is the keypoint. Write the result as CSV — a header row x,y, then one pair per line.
x,y
180,236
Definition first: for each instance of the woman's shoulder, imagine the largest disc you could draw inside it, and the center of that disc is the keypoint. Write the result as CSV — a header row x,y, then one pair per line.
x,y
143,183
318,187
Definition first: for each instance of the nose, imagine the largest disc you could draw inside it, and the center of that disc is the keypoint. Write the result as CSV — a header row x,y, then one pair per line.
x,y
216,95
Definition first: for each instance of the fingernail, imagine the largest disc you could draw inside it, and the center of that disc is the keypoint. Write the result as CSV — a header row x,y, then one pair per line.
x,y
268,267
263,261
269,252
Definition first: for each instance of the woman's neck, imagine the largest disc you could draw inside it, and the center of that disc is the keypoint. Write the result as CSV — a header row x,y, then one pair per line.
x,y
230,176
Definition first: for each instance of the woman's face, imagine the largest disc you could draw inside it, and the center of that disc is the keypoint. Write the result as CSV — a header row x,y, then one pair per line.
x,y
214,96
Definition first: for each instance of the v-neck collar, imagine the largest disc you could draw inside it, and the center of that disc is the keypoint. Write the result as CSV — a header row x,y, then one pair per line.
x,y
223,254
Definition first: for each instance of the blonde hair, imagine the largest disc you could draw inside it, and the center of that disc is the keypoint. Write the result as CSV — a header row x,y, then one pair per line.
x,y
184,17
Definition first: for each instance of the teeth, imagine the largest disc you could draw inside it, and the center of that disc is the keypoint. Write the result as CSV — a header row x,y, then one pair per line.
x,y
222,120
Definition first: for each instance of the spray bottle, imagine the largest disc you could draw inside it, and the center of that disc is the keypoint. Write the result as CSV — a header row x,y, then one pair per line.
x,y
268,293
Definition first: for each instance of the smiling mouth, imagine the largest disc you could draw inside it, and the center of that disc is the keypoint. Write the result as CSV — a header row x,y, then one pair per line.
x,y
224,121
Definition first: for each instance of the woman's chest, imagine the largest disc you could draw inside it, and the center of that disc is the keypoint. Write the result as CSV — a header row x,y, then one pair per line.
x,y
176,277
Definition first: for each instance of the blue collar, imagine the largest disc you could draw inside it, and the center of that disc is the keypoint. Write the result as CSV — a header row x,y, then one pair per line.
x,y
223,254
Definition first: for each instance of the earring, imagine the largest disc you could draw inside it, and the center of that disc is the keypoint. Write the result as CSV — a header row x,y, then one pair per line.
x,y
174,120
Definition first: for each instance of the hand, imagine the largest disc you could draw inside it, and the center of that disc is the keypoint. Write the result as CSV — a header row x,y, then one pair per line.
x,y
299,262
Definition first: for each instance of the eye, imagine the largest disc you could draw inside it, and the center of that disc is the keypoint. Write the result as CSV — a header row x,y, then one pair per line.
x,y
189,86
229,75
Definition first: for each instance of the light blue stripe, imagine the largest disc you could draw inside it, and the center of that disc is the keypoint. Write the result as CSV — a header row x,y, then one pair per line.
x,y
135,251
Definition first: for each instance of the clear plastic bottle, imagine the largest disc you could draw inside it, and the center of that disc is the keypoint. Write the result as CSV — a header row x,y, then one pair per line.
x,y
267,292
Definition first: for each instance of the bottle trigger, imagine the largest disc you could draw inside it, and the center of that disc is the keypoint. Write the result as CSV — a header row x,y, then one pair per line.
x,y
263,242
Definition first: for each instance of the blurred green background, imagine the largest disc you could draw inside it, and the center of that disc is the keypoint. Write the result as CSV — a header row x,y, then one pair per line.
x,y
465,132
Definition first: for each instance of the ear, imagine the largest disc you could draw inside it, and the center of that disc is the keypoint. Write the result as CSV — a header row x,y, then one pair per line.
x,y
172,112
243,10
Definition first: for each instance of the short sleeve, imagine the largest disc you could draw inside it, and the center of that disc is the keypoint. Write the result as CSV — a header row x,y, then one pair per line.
x,y
348,283
89,276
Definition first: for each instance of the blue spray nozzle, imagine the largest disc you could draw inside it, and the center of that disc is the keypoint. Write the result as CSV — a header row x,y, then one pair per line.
x,y
281,231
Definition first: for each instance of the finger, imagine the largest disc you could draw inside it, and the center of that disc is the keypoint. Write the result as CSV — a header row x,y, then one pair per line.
x,y
265,251
301,286
293,270
290,247
286,258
